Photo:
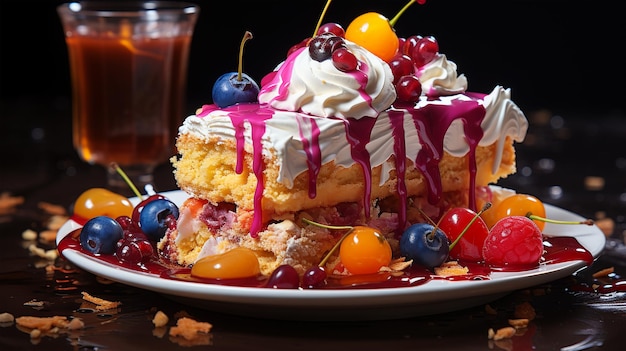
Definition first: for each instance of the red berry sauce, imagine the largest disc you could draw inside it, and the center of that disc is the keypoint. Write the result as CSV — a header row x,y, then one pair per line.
x,y
557,250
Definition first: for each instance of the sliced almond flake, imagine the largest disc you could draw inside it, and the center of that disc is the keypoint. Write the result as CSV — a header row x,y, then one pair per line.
x,y
34,303
451,268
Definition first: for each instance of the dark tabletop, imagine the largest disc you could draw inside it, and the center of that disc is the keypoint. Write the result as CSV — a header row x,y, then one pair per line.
x,y
573,158
553,165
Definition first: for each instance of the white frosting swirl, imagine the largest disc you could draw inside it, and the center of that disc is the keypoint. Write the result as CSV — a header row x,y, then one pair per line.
x,y
439,77
284,132
319,89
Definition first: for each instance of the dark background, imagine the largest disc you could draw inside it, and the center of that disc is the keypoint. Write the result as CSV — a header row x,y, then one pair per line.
x,y
561,54
564,56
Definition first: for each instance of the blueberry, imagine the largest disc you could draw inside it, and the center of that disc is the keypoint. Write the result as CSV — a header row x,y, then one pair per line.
x,y
228,90
422,246
156,216
100,235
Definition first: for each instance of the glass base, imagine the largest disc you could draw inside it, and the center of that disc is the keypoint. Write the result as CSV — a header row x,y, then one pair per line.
x,y
140,177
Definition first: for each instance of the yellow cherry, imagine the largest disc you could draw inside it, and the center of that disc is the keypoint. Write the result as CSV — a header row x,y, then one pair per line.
x,y
102,202
374,32
364,250
239,262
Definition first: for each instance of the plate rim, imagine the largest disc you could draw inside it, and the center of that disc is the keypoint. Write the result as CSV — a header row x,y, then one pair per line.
x,y
432,291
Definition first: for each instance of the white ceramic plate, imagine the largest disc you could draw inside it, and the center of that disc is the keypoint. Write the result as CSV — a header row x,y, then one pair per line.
x,y
436,296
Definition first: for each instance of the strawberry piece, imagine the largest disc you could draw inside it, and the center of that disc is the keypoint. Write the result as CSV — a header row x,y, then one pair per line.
x,y
514,242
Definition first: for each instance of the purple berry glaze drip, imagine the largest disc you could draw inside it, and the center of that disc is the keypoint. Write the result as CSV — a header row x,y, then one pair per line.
x,y
399,148
309,133
285,76
256,116
361,76
432,122
358,132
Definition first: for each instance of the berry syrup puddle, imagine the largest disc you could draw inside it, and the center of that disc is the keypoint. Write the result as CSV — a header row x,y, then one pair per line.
x,y
556,250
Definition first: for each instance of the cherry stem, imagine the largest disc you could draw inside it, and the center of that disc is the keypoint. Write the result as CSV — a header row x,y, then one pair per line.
x,y
485,208
393,21
556,221
334,227
247,35
132,186
435,225
319,21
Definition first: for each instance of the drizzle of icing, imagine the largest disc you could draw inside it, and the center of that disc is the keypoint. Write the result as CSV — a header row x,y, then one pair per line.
x,y
309,133
239,115
358,133
432,122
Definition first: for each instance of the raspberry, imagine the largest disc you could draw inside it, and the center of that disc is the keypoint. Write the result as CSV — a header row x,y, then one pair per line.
x,y
514,241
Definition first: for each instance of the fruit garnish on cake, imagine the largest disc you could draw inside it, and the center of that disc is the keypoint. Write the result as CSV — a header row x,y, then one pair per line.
x,y
362,155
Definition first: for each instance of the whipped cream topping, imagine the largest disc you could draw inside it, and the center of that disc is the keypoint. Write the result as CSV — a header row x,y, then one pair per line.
x,y
439,77
303,84
287,132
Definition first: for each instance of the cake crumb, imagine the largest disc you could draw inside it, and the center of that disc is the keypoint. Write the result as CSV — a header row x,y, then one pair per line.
x,y
8,203
160,319
34,303
52,209
29,235
43,324
75,324
490,310
519,323
57,221
525,310
189,328
6,318
502,333
606,226
48,235
101,304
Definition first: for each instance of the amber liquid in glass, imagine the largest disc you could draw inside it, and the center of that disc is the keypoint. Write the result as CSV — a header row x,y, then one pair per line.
x,y
128,97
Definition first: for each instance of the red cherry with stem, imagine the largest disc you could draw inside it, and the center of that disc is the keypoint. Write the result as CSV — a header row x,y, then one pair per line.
x,y
467,232
319,21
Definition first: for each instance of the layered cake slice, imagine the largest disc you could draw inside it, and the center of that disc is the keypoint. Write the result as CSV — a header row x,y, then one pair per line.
x,y
337,146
